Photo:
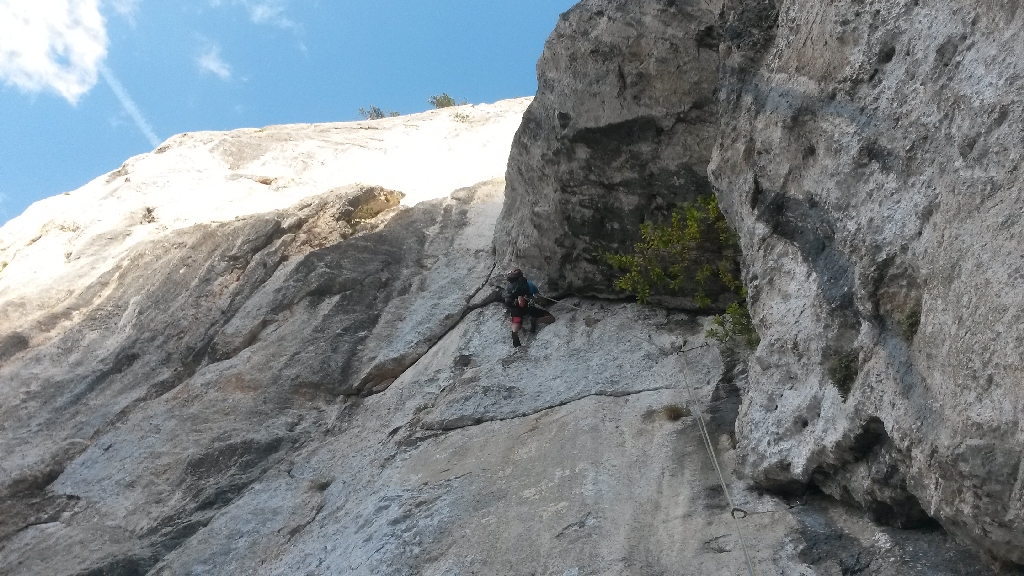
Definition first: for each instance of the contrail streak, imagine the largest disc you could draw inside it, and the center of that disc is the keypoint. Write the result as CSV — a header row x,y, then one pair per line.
x,y
129,105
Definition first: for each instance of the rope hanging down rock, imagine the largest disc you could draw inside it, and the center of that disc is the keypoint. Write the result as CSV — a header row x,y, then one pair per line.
x,y
736,512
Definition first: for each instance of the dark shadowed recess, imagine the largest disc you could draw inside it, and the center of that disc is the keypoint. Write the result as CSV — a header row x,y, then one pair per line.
x,y
829,546
604,208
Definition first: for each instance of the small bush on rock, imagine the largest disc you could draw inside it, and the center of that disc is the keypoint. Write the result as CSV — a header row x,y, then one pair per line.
x,y
687,256
911,321
375,113
842,370
443,100
693,255
735,324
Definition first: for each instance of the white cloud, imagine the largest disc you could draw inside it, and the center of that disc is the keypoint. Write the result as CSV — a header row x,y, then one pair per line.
x,y
60,45
53,45
210,61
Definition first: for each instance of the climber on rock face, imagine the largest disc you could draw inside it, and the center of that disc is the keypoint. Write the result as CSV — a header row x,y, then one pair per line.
x,y
519,294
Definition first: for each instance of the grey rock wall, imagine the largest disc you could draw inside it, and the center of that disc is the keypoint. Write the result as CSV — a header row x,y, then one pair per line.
x,y
210,355
620,133
271,396
867,153
327,389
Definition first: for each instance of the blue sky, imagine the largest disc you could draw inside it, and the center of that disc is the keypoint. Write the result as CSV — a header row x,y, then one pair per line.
x,y
86,84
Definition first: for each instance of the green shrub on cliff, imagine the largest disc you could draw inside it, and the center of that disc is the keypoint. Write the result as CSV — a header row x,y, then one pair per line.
x,y
691,255
735,323
443,100
842,370
375,113
696,255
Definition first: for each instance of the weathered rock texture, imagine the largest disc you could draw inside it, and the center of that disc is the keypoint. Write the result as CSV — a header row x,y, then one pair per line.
x,y
51,254
211,356
620,132
241,355
868,155
325,389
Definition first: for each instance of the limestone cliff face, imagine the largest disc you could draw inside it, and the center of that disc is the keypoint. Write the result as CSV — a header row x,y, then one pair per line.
x,y
164,348
326,387
291,374
277,351
867,154
620,132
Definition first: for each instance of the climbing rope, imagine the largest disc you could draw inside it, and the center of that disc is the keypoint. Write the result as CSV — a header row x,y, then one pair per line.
x,y
736,512
559,301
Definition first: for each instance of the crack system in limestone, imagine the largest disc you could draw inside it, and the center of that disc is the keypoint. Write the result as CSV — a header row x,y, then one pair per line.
x,y
466,310
482,284
477,422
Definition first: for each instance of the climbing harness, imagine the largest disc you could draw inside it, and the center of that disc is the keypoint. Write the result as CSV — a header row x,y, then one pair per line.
x,y
736,512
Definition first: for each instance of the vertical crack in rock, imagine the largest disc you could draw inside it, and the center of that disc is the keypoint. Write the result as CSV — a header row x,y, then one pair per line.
x,y
378,378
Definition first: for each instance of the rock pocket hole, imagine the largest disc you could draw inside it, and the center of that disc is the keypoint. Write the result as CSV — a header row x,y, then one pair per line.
x,y
674,412
886,54
321,484
564,119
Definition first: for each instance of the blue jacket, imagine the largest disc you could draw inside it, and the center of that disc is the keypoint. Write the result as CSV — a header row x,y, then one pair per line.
x,y
523,287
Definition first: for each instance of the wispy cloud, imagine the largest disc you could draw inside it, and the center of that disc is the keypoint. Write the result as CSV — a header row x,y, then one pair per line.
x,y
55,45
126,8
211,62
129,105
267,12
